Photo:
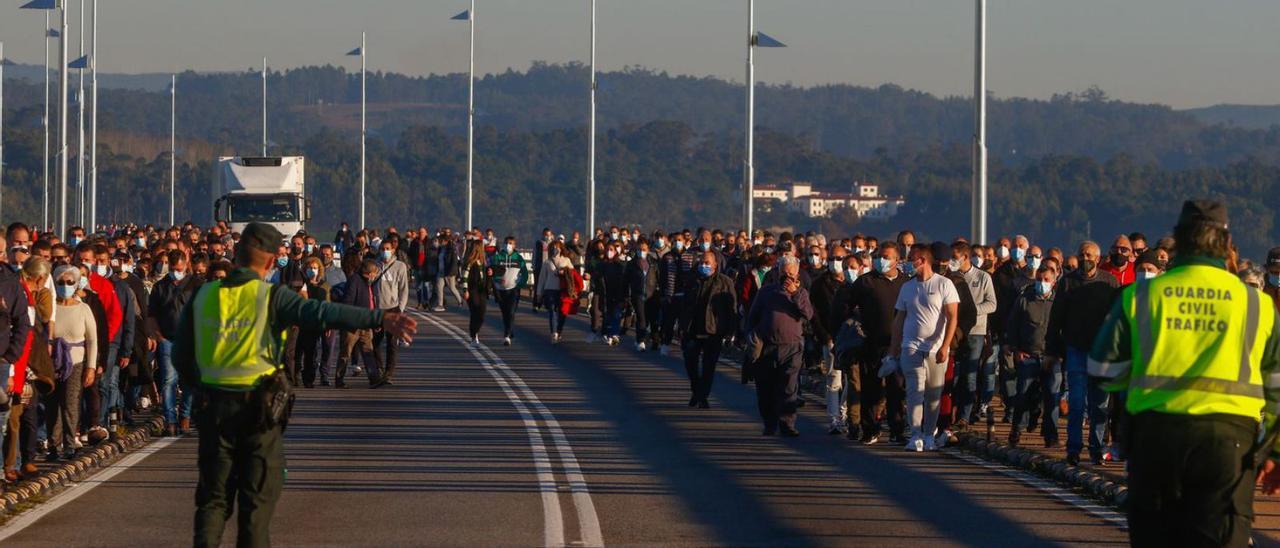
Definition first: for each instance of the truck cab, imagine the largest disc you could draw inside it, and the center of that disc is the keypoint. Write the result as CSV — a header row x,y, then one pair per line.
x,y
261,189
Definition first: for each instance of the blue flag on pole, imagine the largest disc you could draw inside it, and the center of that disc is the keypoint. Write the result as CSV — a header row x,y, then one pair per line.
x,y
354,52
40,5
81,63
464,16
52,33
765,41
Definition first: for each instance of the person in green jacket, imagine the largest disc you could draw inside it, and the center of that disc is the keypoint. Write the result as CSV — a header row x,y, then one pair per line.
x,y
510,274
229,344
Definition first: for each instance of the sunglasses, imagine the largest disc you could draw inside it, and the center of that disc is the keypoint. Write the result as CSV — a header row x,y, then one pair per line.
x,y
1120,249
65,283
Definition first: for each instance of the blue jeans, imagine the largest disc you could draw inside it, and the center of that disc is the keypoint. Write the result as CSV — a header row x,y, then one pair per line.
x,y
971,366
109,387
551,301
1038,386
613,319
1084,394
169,384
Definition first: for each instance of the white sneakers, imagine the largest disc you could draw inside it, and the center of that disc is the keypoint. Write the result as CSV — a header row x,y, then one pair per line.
x,y
506,341
914,444
944,437
640,346
555,338
475,341
920,443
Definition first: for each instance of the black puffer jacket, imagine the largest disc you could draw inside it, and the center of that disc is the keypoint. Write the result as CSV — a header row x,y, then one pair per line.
x,y
710,308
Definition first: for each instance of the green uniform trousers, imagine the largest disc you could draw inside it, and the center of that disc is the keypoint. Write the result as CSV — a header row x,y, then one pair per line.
x,y
239,463
1191,480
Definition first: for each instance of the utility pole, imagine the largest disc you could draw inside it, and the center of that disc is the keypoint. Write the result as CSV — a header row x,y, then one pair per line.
x,y
979,190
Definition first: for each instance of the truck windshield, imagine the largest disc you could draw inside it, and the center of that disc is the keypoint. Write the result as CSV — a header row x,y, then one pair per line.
x,y
245,209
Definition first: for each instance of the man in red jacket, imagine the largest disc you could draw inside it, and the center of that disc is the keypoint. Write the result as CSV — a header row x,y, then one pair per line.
x,y
1119,263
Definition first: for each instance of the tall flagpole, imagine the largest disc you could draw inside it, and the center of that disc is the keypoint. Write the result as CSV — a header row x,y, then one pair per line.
x,y
264,106
362,126
979,191
62,118
749,170
93,126
591,135
44,211
173,145
471,110
80,186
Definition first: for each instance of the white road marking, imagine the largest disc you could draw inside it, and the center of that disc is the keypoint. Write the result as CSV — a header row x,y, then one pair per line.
x,y
553,520
26,519
1093,508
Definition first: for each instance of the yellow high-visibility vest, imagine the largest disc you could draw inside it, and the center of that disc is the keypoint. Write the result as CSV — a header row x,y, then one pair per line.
x,y
234,345
1197,335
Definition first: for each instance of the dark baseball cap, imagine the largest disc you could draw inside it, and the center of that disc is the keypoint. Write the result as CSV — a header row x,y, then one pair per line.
x,y
1150,256
261,236
1203,211
1273,256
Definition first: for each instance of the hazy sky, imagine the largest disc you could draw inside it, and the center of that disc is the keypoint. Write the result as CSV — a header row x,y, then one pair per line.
x,y
1180,52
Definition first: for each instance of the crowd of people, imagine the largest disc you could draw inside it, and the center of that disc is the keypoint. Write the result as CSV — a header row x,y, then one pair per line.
x,y
912,341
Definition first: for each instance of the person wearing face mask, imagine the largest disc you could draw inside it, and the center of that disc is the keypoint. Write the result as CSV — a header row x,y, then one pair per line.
x,y
1081,302
966,318
708,315
476,281
822,294
1271,281
75,335
612,281
315,356
972,367
540,255
446,273
1039,375
138,371
1120,262
925,324
548,287
668,275
510,274
164,308
393,296
776,319
1011,278
120,350
642,276
871,300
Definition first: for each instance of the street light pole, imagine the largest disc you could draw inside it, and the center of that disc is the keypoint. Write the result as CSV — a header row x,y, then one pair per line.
x,y
80,186
44,211
363,126
93,126
979,190
62,117
471,111
591,135
264,106
1,130
173,146
749,175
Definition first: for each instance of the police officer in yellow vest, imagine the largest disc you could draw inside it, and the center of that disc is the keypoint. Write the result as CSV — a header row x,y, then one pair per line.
x,y
1197,351
229,343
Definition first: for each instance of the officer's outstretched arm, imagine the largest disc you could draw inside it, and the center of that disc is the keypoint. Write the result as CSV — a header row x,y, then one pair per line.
x,y
291,309
1270,443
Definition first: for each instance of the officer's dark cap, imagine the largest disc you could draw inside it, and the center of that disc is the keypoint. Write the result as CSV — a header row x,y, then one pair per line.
x,y
262,237
1203,212
1273,256
1150,256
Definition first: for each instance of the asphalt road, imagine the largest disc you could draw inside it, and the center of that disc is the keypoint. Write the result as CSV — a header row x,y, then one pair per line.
x,y
571,444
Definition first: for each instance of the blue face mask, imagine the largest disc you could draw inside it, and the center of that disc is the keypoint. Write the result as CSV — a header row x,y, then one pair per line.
x,y
679,245
387,254
311,248
909,269
662,243
1019,253
1043,288
882,265
509,248
282,262
705,270
706,246
65,291
850,275
1034,263
311,272
1273,280
73,241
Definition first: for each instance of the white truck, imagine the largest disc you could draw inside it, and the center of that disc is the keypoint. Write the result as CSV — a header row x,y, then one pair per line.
x,y
263,189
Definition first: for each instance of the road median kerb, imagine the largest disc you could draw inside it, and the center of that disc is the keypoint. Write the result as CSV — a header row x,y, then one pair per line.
x,y
69,472
1096,486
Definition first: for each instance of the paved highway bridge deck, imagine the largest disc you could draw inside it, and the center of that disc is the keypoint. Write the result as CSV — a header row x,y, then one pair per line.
x,y
572,444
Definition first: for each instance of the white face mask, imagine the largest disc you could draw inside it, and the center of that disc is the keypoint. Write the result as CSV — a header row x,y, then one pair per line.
x,y
178,276
954,265
976,260
84,282
127,267
835,266
102,270
1147,275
